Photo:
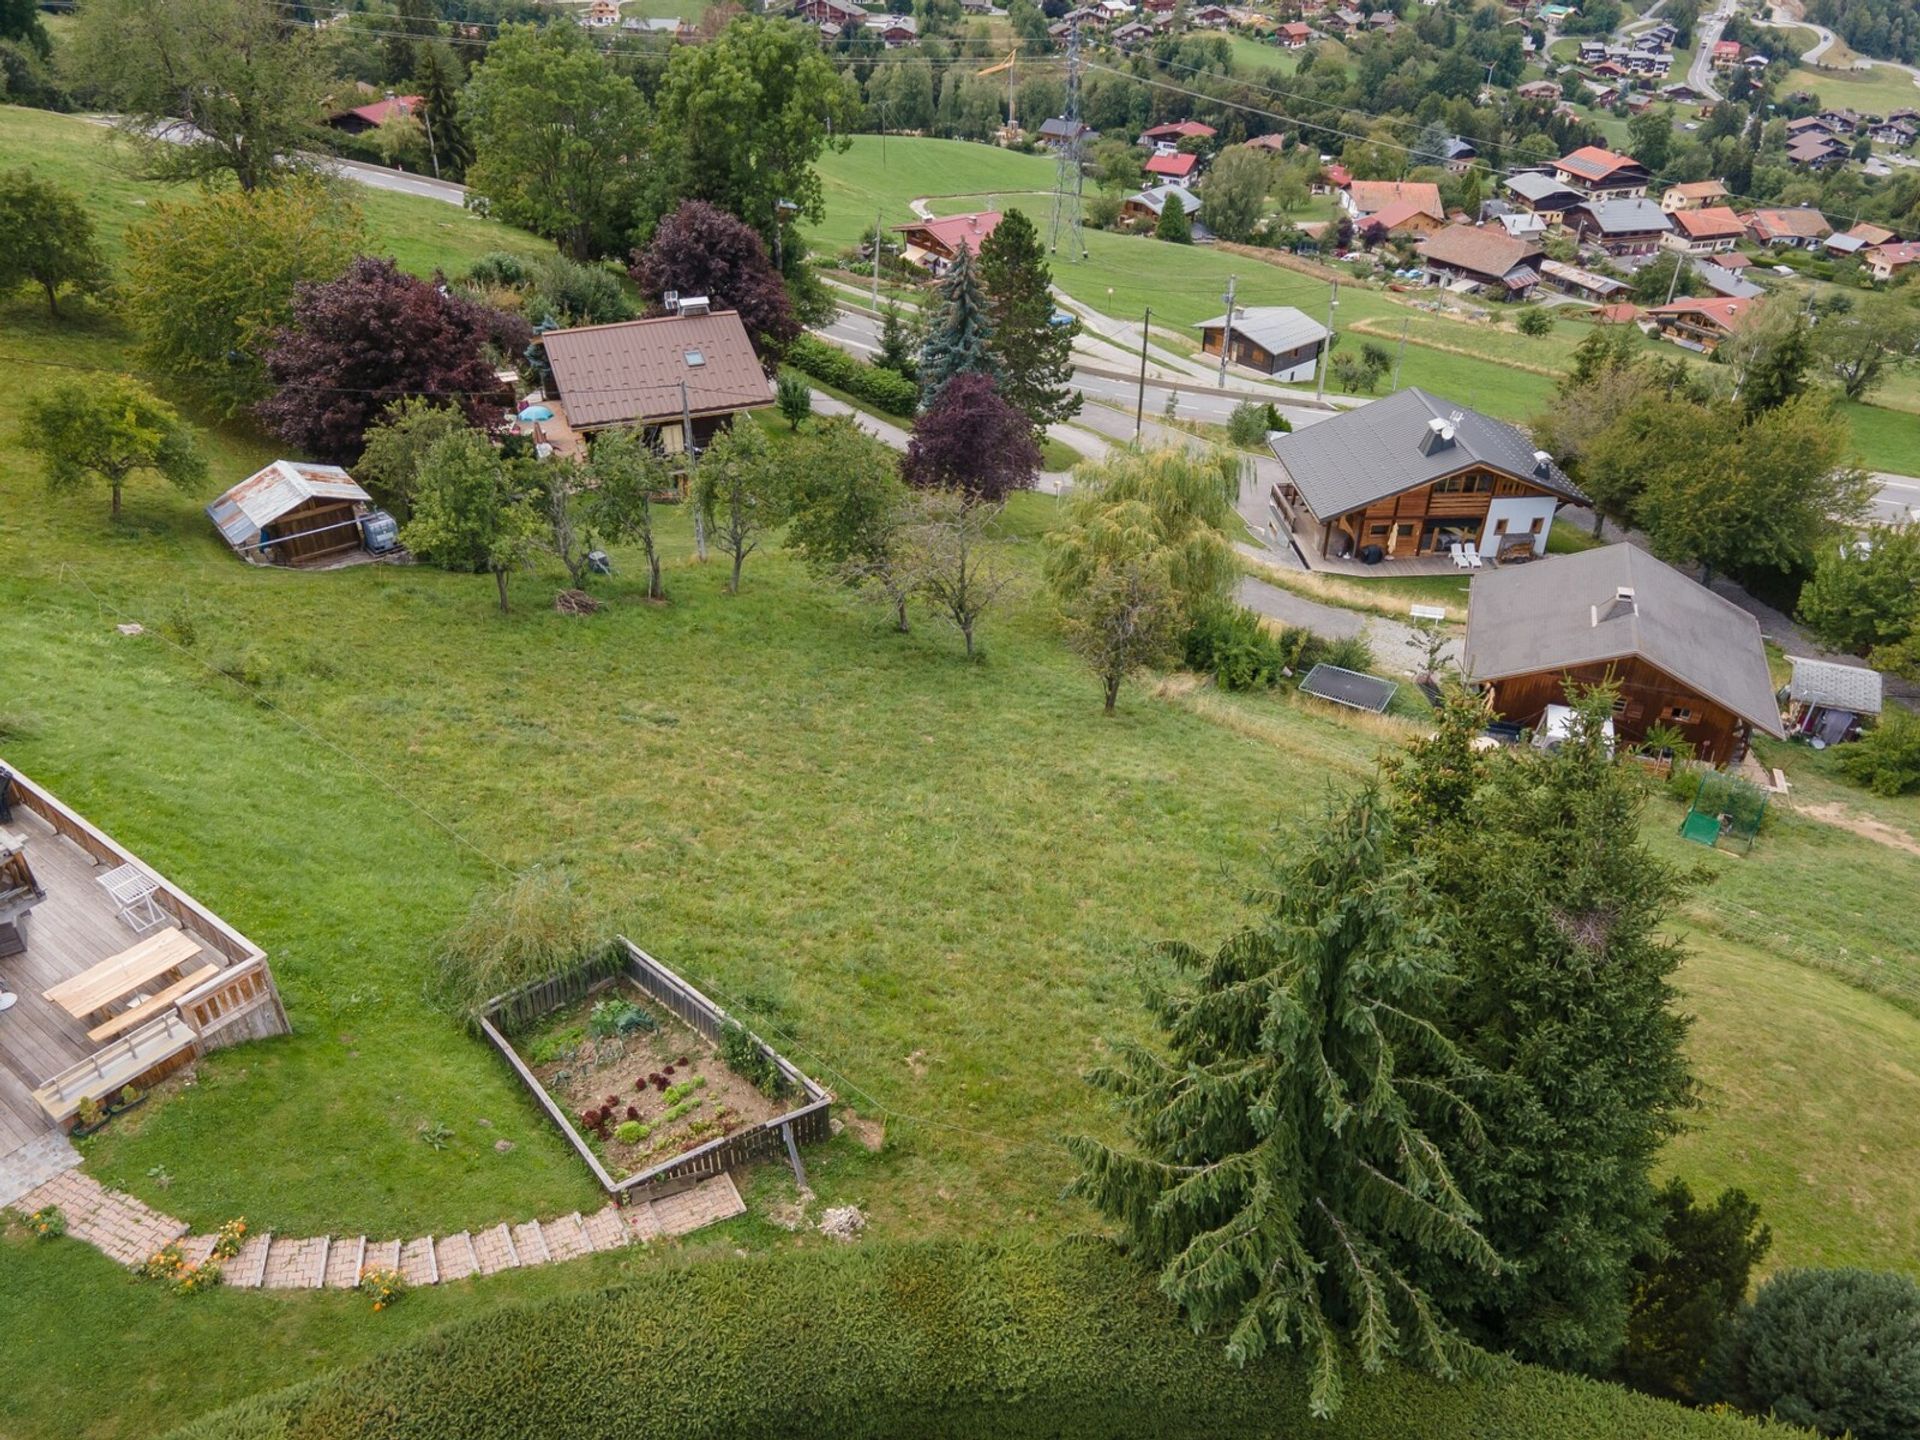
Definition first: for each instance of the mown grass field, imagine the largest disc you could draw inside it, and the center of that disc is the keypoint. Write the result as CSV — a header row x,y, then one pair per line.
x,y
933,882
1490,367
1877,91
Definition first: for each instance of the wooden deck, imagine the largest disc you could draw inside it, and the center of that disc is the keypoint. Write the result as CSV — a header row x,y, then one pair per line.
x,y
75,927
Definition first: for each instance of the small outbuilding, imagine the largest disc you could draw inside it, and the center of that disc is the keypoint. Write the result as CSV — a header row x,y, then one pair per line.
x,y
1829,703
295,512
1276,340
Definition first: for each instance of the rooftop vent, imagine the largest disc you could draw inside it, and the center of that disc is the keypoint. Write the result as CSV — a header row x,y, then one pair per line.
x,y
1439,437
694,305
1617,608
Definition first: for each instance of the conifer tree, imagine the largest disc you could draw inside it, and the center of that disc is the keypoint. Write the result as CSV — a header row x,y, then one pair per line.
x,y
1173,224
1034,354
440,112
960,336
1293,1150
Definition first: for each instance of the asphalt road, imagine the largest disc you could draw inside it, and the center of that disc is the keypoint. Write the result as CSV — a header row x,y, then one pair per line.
x,y
1705,33
1898,499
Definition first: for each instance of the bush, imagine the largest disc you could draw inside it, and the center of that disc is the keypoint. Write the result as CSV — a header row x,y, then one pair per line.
x,y
1534,321
944,1341
1836,1350
1685,1298
1240,653
870,384
1250,421
1352,653
535,927
750,1061
574,294
499,269
1887,758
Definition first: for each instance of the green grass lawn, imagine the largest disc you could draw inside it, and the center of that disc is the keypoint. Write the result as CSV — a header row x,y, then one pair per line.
x,y
933,882
1877,91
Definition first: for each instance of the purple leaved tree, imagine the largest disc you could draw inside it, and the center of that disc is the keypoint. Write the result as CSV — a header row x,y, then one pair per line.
x,y
971,440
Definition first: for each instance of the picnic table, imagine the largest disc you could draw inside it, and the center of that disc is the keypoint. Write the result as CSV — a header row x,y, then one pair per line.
x,y
104,985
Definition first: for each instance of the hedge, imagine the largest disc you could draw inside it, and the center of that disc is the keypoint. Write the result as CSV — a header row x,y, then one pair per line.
x,y
875,385
934,1339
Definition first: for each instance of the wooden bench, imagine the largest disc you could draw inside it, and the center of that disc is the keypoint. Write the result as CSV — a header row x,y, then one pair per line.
x,y
94,990
136,1015
1427,612
119,1064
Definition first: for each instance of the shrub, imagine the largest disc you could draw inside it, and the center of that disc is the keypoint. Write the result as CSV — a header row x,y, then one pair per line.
x,y
1240,653
500,268
871,384
1250,421
1836,1350
956,1340
748,1059
1534,321
535,927
574,294
1887,758
382,1286
49,1222
1350,653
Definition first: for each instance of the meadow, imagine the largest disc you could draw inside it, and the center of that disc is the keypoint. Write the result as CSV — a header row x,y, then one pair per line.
x,y
937,884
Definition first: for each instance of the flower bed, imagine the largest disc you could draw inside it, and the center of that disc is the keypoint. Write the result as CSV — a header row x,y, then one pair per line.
x,y
638,1085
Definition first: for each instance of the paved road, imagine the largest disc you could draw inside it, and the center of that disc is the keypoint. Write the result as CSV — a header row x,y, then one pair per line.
x,y
1898,499
1706,31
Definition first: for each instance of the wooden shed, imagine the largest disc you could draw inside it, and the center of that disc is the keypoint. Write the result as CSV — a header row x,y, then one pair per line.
x,y
293,512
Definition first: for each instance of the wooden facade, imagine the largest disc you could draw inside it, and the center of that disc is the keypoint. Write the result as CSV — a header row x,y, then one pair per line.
x,y
1649,696
313,531
1426,519
1255,356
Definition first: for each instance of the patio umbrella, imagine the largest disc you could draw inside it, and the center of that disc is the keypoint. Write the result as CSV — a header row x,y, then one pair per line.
x,y
536,412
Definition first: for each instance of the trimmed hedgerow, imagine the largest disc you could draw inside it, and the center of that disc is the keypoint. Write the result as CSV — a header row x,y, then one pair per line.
x,y
959,1340
875,385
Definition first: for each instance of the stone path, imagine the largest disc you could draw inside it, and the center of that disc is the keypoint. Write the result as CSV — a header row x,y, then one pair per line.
x,y
123,1229
29,1166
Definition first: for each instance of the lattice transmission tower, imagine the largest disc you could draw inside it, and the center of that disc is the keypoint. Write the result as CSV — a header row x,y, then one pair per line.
x,y
1069,177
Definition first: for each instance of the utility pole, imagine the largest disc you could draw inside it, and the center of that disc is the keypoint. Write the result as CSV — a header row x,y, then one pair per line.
x,y
1226,335
686,438
1674,283
876,261
1401,354
1140,401
1326,348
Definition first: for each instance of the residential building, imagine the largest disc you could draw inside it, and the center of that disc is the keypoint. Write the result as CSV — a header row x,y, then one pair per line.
x,y
1460,154
1362,198
1700,322
1887,261
1582,284
1057,132
1602,175
1401,218
1411,475
1859,239
1817,151
1802,229
1708,230
1682,656
843,13
1726,54
1209,17
1276,340
1620,227
1541,194
894,31
1296,35
1724,282
694,370
601,14
363,118
1132,35
935,244
1538,90
1693,195
1165,139
1142,209
1482,255
1173,166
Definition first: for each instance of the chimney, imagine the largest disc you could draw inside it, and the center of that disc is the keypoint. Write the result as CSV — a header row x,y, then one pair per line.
x,y
694,305
1439,437
1542,461
1617,608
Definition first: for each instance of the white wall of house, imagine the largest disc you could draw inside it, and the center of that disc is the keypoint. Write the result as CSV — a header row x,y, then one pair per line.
x,y
1519,512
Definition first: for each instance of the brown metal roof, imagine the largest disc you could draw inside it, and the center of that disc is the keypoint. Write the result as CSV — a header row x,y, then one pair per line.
x,y
631,373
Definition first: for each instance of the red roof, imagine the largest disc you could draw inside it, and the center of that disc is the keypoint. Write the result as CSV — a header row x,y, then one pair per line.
x,y
1176,167
381,111
1801,223
1590,162
1371,196
1728,48
1710,222
1733,260
1906,252
953,233
1296,30
1616,314
1395,216
1722,312
1180,130
1339,175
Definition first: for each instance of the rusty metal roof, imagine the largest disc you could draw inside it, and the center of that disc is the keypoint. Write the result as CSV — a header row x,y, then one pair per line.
x,y
263,497
631,373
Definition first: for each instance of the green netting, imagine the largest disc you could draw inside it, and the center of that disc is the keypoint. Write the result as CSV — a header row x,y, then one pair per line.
x,y
1726,810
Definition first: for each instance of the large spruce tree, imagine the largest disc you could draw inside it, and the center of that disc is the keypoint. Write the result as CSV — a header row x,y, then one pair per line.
x,y
1035,355
960,335
1294,1144
1566,1002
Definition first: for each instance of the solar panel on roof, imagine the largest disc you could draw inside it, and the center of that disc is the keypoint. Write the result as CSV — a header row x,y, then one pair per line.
x,y
1349,688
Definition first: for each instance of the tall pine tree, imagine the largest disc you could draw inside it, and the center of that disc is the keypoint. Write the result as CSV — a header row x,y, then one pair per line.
x,y
1035,355
1565,1001
1293,1148
960,336
440,112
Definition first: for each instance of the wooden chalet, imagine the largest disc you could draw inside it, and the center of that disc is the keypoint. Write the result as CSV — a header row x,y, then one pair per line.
x,y
1801,228
1410,476
119,976
1693,195
935,244
1704,230
1542,195
1482,255
363,118
1602,175
1682,656
1700,322
294,512
667,376
1276,340
1620,227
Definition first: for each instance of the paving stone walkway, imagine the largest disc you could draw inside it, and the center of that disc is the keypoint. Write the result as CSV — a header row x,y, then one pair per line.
x,y
123,1229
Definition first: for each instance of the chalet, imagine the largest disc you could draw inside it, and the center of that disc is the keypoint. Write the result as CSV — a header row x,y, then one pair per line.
x,y
1661,37
843,13
1458,154
1362,198
1859,239
1620,227
1538,90
1542,195
693,370
1172,167
1058,132
1165,139
601,14
1801,229
1810,125
1592,51
1602,175
295,512
1817,152
1681,93
1831,703
894,31
1210,17
1344,22
1142,210
1401,218
1708,230
1276,340
1581,284
935,244
1383,22
1897,132
1274,142
1722,281
1411,475
1841,122
1887,261
1482,255
1726,54
1700,322
1682,656
363,118
1603,99
1296,35
1115,10
1132,35
1692,195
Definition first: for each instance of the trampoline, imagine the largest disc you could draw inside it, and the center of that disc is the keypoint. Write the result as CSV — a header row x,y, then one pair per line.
x,y
1349,688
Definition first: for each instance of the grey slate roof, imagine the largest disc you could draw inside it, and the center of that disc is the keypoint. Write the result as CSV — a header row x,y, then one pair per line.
x,y
1532,185
1724,282
1627,217
1840,687
1274,328
1367,454
1562,613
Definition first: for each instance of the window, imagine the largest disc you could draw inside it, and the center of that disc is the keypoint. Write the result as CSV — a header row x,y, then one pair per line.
x,y
1376,530
694,357
1619,704
1679,714
1534,528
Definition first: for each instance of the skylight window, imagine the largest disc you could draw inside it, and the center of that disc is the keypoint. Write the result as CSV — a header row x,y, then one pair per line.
x,y
694,357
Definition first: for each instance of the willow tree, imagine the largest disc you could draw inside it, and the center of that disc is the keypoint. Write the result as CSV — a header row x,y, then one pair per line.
x,y
1173,499
1291,1155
